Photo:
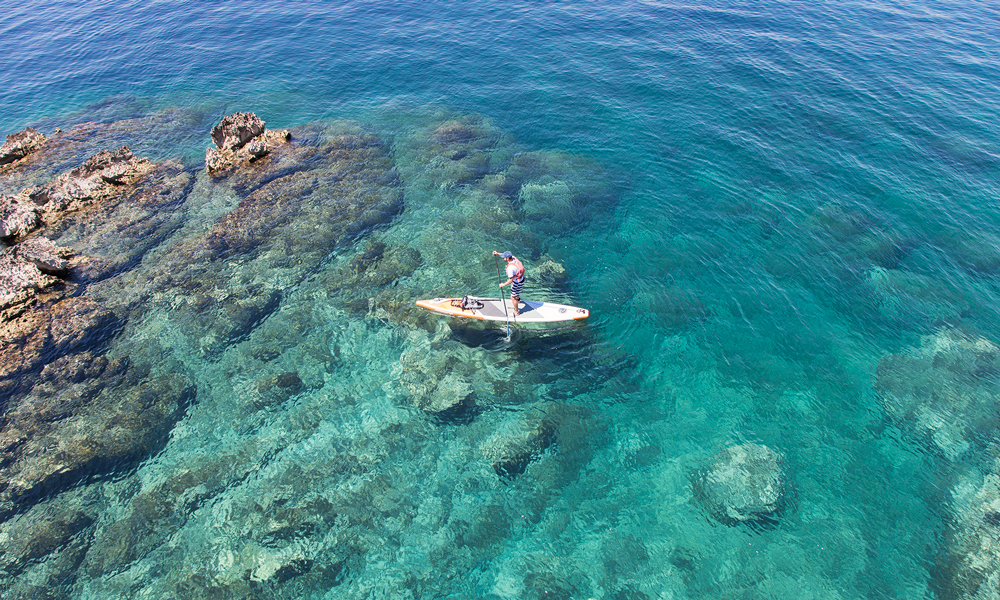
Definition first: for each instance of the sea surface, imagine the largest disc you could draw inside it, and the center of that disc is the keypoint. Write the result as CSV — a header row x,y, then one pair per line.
x,y
784,217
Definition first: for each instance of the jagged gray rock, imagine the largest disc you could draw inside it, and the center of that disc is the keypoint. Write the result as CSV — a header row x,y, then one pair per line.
x,y
236,130
20,144
97,178
16,218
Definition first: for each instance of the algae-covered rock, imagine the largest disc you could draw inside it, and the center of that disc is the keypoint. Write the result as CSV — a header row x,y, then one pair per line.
x,y
556,192
969,564
156,513
462,147
518,442
744,483
944,391
109,433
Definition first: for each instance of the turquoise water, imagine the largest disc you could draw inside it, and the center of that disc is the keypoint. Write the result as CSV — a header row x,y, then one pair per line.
x,y
770,199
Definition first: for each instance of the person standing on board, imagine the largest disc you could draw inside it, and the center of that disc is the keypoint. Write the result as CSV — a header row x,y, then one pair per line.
x,y
515,278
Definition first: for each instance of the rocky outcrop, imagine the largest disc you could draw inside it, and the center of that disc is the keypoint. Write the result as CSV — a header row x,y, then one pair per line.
x,y
16,218
26,270
943,392
21,144
241,138
116,232
297,206
99,177
743,484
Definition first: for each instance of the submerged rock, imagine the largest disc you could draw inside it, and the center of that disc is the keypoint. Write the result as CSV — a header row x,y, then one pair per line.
x,y
463,147
517,443
433,381
744,483
556,192
944,391
969,566
38,533
157,513
35,338
367,274
98,435
223,283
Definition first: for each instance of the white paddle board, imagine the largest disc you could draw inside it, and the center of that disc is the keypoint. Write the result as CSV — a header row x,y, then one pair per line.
x,y
491,309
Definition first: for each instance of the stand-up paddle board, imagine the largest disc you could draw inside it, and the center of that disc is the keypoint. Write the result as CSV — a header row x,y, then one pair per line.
x,y
491,309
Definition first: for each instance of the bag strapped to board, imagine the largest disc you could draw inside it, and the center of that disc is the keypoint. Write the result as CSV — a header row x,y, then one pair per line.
x,y
467,303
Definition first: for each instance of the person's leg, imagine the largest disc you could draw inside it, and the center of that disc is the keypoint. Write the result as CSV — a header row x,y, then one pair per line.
x,y
516,301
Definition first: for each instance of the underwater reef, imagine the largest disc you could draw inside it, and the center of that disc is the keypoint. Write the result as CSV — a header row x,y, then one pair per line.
x,y
123,277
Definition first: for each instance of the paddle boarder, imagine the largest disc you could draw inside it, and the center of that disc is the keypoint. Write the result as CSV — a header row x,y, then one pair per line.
x,y
515,278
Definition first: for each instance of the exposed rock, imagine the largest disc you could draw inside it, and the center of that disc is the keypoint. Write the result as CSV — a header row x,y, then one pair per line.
x,y
117,232
241,138
21,144
44,255
944,391
236,130
20,281
16,219
744,483
98,178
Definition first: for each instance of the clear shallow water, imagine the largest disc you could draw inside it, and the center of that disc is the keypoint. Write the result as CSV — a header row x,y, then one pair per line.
x,y
784,196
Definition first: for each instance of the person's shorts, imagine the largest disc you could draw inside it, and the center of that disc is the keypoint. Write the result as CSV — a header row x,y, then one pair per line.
x,y
516,287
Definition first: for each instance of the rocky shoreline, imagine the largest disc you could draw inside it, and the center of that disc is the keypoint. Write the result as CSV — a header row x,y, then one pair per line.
x,y
95,240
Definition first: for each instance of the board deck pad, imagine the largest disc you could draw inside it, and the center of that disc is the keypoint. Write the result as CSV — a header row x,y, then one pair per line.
x,y
493,310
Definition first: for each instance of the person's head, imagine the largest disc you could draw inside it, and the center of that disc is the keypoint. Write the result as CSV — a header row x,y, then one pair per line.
x,y
507,256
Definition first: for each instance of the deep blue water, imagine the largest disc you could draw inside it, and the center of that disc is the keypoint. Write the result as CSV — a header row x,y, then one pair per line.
x,y
788,192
